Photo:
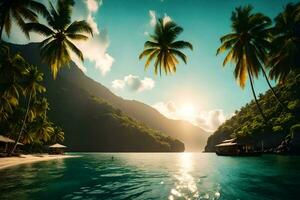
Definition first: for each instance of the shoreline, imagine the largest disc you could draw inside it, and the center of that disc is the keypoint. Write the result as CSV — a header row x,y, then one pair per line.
x,y
8,162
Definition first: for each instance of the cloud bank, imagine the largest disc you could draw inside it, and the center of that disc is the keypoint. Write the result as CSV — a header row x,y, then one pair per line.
x,y
207,120
95,48
133,83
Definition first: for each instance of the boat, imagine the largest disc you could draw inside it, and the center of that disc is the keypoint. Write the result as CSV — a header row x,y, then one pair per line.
x,y
232,147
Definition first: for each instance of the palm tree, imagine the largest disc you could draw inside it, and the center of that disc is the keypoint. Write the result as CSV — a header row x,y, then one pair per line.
x,y
11,70
164,47
247,46
31,88
27,137
60,32
285,50
41,107
18,11
57,135
43,130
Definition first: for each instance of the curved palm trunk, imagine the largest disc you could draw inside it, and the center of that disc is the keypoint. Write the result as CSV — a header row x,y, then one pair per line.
x,y
273,91
255,98
1,30
23,125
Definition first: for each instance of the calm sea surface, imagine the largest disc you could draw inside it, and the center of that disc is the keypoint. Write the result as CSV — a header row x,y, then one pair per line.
x,y
154,176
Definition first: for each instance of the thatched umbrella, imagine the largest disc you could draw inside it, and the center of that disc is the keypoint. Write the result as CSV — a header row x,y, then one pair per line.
x,y
6,140
57,145
57,148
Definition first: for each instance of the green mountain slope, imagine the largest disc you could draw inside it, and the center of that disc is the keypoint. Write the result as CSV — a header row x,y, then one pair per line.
x,y
248,125
89,122
192,136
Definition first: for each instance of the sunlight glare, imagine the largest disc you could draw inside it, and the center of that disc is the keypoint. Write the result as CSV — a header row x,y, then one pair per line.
x,y
188,111
185,185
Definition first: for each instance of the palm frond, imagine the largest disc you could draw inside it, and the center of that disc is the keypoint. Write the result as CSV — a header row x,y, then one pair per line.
x,y
75,50
180,55
146,52
150,57
150,44
39,28
181,45
39,8
20,22
79,27
77,36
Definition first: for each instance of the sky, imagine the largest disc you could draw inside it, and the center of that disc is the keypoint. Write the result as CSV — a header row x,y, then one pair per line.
x,y
202,92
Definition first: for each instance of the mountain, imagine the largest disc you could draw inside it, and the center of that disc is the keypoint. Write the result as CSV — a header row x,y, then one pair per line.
x,y
72,100
282,132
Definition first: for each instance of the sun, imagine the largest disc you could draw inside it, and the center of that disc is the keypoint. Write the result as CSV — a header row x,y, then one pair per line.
x,y
187,111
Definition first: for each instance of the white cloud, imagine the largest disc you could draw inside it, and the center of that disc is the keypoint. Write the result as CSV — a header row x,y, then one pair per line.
x,y
95,48
133,83
152,15
210,120
93,5
118,84
91,20
153,18
207,120
166,18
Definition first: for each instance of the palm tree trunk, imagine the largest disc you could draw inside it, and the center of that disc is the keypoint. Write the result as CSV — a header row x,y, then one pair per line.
x,y
273,91
255,98
1,30
23,124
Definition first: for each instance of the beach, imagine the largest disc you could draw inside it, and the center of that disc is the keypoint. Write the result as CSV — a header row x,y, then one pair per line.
x,y
25,159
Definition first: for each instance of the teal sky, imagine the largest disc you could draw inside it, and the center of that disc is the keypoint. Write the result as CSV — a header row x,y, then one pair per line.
x,y
202,82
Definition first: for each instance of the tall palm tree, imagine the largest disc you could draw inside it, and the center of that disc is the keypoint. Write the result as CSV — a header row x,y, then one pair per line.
x,y
60,32
41,107
164,48
43,130
57,135
11,70
27,137
247,46
19,11
285,49
31,88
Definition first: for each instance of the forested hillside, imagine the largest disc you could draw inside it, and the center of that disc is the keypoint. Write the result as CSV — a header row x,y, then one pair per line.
x,y
248,124
91,123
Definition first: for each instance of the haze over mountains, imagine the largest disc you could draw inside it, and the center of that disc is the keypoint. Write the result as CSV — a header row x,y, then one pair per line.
x,y
93,117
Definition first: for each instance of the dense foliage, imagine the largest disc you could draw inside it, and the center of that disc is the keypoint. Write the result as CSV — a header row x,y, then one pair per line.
x,y
23,107
164,48
247,123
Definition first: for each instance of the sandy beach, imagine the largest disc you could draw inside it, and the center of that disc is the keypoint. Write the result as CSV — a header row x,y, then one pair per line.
x,y
24,159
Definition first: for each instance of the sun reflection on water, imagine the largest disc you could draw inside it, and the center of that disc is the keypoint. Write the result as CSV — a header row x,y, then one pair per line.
x,y
185,186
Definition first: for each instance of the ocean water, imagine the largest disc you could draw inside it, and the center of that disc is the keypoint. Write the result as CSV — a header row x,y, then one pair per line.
x,y
155,176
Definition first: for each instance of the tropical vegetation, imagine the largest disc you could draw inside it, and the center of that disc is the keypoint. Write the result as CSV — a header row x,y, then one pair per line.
x,y
247,125
164,48
247,47
19,11
256,47
285,46
23,109
57,47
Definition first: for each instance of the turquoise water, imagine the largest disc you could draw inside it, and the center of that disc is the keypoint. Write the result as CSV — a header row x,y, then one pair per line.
x,y
154,176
